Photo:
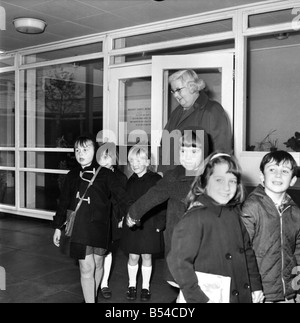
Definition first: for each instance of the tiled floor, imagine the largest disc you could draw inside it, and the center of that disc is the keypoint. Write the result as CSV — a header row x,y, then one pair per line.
x,y
36,272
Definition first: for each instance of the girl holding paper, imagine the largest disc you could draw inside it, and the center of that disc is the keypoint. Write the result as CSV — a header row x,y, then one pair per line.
x,y
211,239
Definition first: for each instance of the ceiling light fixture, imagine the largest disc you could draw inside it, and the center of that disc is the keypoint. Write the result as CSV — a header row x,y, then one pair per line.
x,y
29,25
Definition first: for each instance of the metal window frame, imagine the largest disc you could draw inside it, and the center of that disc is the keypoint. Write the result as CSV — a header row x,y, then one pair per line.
x,y
240,33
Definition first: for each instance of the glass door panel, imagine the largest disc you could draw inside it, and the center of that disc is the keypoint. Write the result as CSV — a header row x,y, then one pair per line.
x,y
216,69
135,110
128,120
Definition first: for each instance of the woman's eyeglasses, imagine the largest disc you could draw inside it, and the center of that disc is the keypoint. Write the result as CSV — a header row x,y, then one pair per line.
x,y
177,90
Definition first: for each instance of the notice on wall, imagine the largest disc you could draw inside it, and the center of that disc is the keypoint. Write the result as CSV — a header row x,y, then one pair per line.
x,y
139,117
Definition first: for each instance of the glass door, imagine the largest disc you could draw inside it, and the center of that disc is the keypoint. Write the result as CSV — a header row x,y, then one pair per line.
x,y
129,114
127,120
216,69
140,102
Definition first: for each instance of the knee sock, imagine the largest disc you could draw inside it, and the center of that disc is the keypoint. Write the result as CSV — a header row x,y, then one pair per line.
x,y
146,274
107,268
132,273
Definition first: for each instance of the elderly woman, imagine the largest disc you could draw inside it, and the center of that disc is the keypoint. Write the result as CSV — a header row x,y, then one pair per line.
x,y
195,111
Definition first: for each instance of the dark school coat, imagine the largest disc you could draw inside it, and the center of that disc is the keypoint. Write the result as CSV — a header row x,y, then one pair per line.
x,y
144,239
173,188
213,239
117,213
92,223
207,115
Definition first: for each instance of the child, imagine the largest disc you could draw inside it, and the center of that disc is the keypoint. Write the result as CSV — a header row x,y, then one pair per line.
x,y
273,221
108,158
173,188
90,237
211,238
147,239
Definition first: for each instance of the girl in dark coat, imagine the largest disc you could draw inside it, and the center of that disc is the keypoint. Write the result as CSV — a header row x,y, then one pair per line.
x,y
173,189
212,239
147,239
107,157
90,237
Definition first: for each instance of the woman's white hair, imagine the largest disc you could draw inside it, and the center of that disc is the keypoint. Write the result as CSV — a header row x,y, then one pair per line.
x,y
188,77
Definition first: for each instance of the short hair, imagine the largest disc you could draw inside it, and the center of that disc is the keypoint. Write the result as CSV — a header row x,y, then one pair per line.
x,y
188,76
279,156
139,151
83,142
191,139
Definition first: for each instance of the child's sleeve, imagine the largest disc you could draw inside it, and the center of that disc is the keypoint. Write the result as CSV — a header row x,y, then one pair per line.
x,y
250,217
117,211
254,275
297,250
119,194
157,194
63,205
186,241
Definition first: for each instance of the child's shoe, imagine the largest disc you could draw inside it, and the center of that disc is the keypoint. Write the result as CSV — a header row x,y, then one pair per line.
x,y
131,294
106,293
145,295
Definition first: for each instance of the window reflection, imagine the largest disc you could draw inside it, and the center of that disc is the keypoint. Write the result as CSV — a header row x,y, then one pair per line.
x,y
7,109
62,102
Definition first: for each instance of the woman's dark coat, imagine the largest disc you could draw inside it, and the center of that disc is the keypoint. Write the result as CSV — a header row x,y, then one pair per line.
x,y
207,115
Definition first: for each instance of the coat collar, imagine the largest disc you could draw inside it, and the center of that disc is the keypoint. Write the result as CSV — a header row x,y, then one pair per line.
x,y
145,176
204,201
260,193
200,103
179,174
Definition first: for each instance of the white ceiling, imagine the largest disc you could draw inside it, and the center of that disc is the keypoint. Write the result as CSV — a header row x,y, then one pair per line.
x,y
74,18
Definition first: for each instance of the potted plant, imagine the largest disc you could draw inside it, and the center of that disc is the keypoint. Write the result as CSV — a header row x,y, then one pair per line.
x,y
294,142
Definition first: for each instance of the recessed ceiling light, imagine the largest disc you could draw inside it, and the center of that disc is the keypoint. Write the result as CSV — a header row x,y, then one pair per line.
x,y
29,25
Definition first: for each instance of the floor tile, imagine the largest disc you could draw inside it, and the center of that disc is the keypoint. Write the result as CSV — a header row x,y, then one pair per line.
x,y
36,272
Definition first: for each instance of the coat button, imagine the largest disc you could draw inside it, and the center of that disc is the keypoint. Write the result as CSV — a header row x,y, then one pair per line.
x,y
235,293
242,250
247,286
228,256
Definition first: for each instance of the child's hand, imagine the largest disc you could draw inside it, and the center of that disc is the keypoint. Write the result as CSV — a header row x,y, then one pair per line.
x,y
56,237
120,224
258,296
129,221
